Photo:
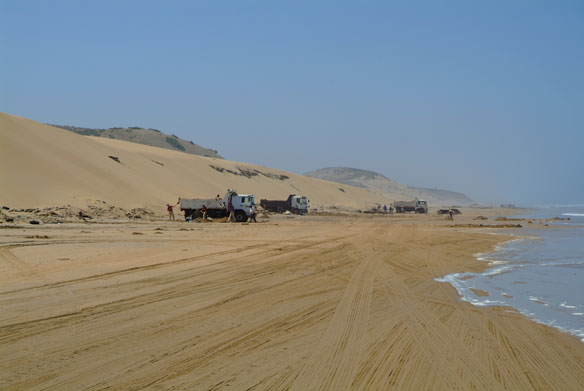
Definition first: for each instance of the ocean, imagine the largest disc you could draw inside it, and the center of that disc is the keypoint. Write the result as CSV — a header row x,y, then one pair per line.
x,y
541,276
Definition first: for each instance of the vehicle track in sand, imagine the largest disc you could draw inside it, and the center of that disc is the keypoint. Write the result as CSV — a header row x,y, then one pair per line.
x,y
166,283
337,307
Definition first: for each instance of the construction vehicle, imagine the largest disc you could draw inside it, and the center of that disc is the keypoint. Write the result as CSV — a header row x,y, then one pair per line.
x,y
418,206
217,207
295,204
447,211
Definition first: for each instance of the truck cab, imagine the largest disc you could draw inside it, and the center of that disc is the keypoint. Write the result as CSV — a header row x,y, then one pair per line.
x,y
421,206
299,204
240,203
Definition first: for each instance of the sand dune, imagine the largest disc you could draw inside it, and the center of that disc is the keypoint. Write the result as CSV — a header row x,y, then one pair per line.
x,y
47,166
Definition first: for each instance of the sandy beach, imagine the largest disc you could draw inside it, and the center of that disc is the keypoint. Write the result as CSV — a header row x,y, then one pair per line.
x,y
303,303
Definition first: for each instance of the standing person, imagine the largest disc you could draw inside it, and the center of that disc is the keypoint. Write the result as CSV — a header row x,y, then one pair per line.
x,y
204,212
220,201
384,208
169,209
231,214
252,214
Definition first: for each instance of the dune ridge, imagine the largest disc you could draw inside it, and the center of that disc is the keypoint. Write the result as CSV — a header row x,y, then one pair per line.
x,y
153,137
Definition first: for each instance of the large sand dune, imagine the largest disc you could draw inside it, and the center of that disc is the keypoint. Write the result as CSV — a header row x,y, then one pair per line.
x,y
45,166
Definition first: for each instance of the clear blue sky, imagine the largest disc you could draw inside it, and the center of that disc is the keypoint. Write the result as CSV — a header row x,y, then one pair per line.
x,y
486,98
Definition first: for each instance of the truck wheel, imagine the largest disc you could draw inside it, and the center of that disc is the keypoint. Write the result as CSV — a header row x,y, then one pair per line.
x,y
240,216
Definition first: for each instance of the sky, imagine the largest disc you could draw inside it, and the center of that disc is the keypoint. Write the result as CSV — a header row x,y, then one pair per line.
x,y
481,97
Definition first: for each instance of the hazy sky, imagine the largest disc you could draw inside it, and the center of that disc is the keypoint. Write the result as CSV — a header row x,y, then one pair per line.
x,y
482,97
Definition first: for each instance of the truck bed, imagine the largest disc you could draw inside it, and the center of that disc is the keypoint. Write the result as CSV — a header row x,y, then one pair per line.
x,y
197,203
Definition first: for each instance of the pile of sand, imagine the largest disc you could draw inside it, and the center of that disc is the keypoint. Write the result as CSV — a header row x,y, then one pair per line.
x,y
94,211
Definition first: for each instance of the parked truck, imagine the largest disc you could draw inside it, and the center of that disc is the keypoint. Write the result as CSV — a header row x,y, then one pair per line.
x,y
218,208
418,206
295,204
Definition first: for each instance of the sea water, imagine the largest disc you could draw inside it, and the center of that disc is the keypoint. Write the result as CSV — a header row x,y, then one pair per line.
x,y
540,273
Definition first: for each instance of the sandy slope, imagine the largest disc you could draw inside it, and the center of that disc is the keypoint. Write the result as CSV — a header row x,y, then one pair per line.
x,y
317,303
45,166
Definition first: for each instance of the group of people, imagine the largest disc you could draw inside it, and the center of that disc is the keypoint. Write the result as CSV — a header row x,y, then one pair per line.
x,y
390,208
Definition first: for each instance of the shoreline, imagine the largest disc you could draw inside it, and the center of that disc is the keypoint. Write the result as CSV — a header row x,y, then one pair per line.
x,y
300,303
492,287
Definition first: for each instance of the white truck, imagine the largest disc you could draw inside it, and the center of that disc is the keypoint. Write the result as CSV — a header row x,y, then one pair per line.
x,y
418,206
217,208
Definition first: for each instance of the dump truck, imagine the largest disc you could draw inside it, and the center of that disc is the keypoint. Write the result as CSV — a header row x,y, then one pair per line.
x,y
295,203
218,208
418,206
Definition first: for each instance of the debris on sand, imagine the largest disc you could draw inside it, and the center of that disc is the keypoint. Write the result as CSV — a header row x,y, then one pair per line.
x,y
95,210
485,226
137,213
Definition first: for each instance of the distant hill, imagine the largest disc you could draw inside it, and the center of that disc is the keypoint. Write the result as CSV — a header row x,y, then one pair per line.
x,y
360,178
378,182
152,137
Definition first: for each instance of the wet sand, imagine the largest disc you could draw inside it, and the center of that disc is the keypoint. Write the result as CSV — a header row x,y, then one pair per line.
x,y
315,303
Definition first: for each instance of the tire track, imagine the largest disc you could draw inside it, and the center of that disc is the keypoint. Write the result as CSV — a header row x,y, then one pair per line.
x,y
334,360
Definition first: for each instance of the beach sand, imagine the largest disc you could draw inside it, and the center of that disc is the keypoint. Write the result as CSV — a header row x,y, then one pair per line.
x,y
303,303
